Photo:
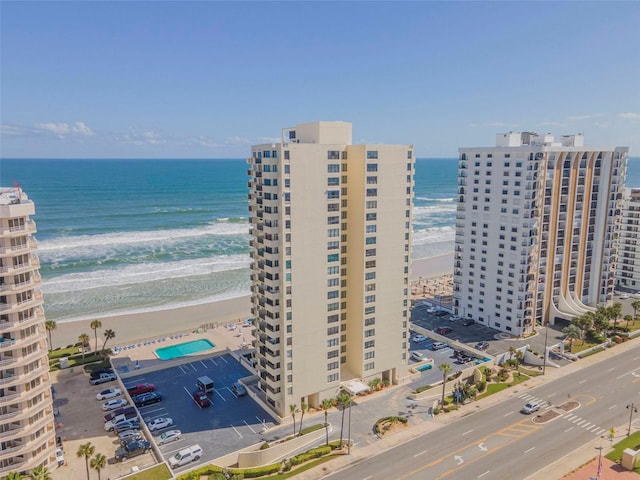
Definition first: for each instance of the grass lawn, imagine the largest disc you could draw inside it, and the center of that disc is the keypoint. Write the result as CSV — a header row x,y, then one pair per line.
x,y
498,387
302,468
159,472
632,441
577,348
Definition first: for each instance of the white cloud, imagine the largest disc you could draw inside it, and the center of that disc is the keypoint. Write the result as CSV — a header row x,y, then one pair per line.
x,y
64,129
490,124
630,116
574,118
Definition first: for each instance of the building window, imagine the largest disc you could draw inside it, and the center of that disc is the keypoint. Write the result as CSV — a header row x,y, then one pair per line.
x,y
369,298
372,192
330,378
334,257
332,181
370,276
332,307
333,155
372,204
372,167
370,355
372,155
370,264
369,310
369,366
333,194
370,241
370,252
371,180
370,344
333,294
369,333
371,228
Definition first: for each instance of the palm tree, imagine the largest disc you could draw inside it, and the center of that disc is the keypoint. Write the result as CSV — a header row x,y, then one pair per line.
x,y
512,352
50,325
40,473
304,407
615,311
14,476
344,399
445,368
86,450
636,306
628,318
83,338
519,359
98,463
573,333
95,325
108,335
327,403
293,409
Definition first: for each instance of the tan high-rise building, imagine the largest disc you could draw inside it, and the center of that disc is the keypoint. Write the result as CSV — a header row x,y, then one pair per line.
x,y
27,430
331,249
536,229
628,271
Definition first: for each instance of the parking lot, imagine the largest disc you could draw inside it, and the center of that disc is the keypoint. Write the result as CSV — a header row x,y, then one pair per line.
x,y
229,424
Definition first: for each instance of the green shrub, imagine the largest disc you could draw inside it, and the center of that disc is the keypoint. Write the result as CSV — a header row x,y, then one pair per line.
x,y
481,385
423,388
436,411
264,446
255,472
312,428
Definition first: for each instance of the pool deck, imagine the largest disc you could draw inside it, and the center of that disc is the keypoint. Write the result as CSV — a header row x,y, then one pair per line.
x,y
140,355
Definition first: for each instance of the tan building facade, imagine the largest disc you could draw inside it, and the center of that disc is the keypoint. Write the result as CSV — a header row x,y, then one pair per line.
x,y
628,271
536,230
27,430
331,248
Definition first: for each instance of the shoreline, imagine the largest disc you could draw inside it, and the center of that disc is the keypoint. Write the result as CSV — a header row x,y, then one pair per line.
x,y
137,326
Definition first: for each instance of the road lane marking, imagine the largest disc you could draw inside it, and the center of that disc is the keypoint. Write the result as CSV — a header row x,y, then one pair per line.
x,y
468,431
367,478
483,474
569,429
580,424
586,425
459,460
250,428
582,381
421,453
612,407
507,414
531,449
549,396
611,369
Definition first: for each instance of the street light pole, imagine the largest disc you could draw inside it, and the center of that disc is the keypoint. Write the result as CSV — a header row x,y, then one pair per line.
x,y
632,409
349,432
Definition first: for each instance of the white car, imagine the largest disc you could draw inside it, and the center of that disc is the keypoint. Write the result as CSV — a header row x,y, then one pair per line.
x,y
418,356
419,339
169,436
432,310
113,404
128,434
624,296
108,393
160,423
59,457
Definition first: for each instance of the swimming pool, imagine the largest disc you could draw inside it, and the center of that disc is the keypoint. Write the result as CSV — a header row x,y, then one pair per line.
x,y
182,349
426,366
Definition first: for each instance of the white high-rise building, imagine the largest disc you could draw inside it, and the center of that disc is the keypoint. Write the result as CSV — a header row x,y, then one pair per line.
x,y
628,271
331,249
27,430
536,230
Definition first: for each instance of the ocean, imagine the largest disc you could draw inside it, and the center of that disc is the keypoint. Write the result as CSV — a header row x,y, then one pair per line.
x,y
126,236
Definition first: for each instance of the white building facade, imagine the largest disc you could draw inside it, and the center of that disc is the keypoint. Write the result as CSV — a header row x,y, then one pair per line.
x,y
628,271
27,430
536,230
330,249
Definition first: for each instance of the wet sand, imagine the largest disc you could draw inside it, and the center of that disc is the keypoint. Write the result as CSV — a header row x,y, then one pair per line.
x,y
140,326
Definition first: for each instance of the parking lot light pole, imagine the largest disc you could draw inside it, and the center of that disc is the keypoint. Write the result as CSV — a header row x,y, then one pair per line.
x,y
544,356
632,409
349,432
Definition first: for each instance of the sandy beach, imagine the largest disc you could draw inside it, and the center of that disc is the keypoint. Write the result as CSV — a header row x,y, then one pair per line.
x,y
152,324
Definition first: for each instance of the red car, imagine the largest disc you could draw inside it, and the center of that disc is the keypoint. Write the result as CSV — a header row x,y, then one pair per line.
x,y
201,399
141,388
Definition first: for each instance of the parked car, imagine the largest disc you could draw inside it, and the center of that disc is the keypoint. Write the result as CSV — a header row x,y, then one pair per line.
x,y
117,422
129,425
201,399
442,313
432,310
168,437
418,356
624,296
438,346
132,449
530,407
102,378
96,373
115,403
454,318
482,345
442,330
419,339
59,457
186,455
129,412
467,322
147,399
238,389
108,393
160,423
140,389
129,434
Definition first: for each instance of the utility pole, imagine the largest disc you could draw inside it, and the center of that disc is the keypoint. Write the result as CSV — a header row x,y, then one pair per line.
x,y
544,359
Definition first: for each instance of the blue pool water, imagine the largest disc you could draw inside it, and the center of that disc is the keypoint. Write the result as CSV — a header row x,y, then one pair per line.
x,y
182,349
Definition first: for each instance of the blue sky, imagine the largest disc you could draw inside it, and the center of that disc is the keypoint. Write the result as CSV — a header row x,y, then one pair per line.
x,y
208,79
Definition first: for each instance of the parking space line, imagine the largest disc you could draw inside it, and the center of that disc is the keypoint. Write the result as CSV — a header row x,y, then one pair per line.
x,y
138,380
182,369
220,395
194,368
203,364
213,361
250,428
224,359
155,410
234,429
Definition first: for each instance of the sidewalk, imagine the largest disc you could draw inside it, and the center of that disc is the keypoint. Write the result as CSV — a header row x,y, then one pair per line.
x,y
560,468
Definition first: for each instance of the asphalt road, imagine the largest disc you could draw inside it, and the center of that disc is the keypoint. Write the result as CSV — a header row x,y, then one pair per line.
x,y
500,442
